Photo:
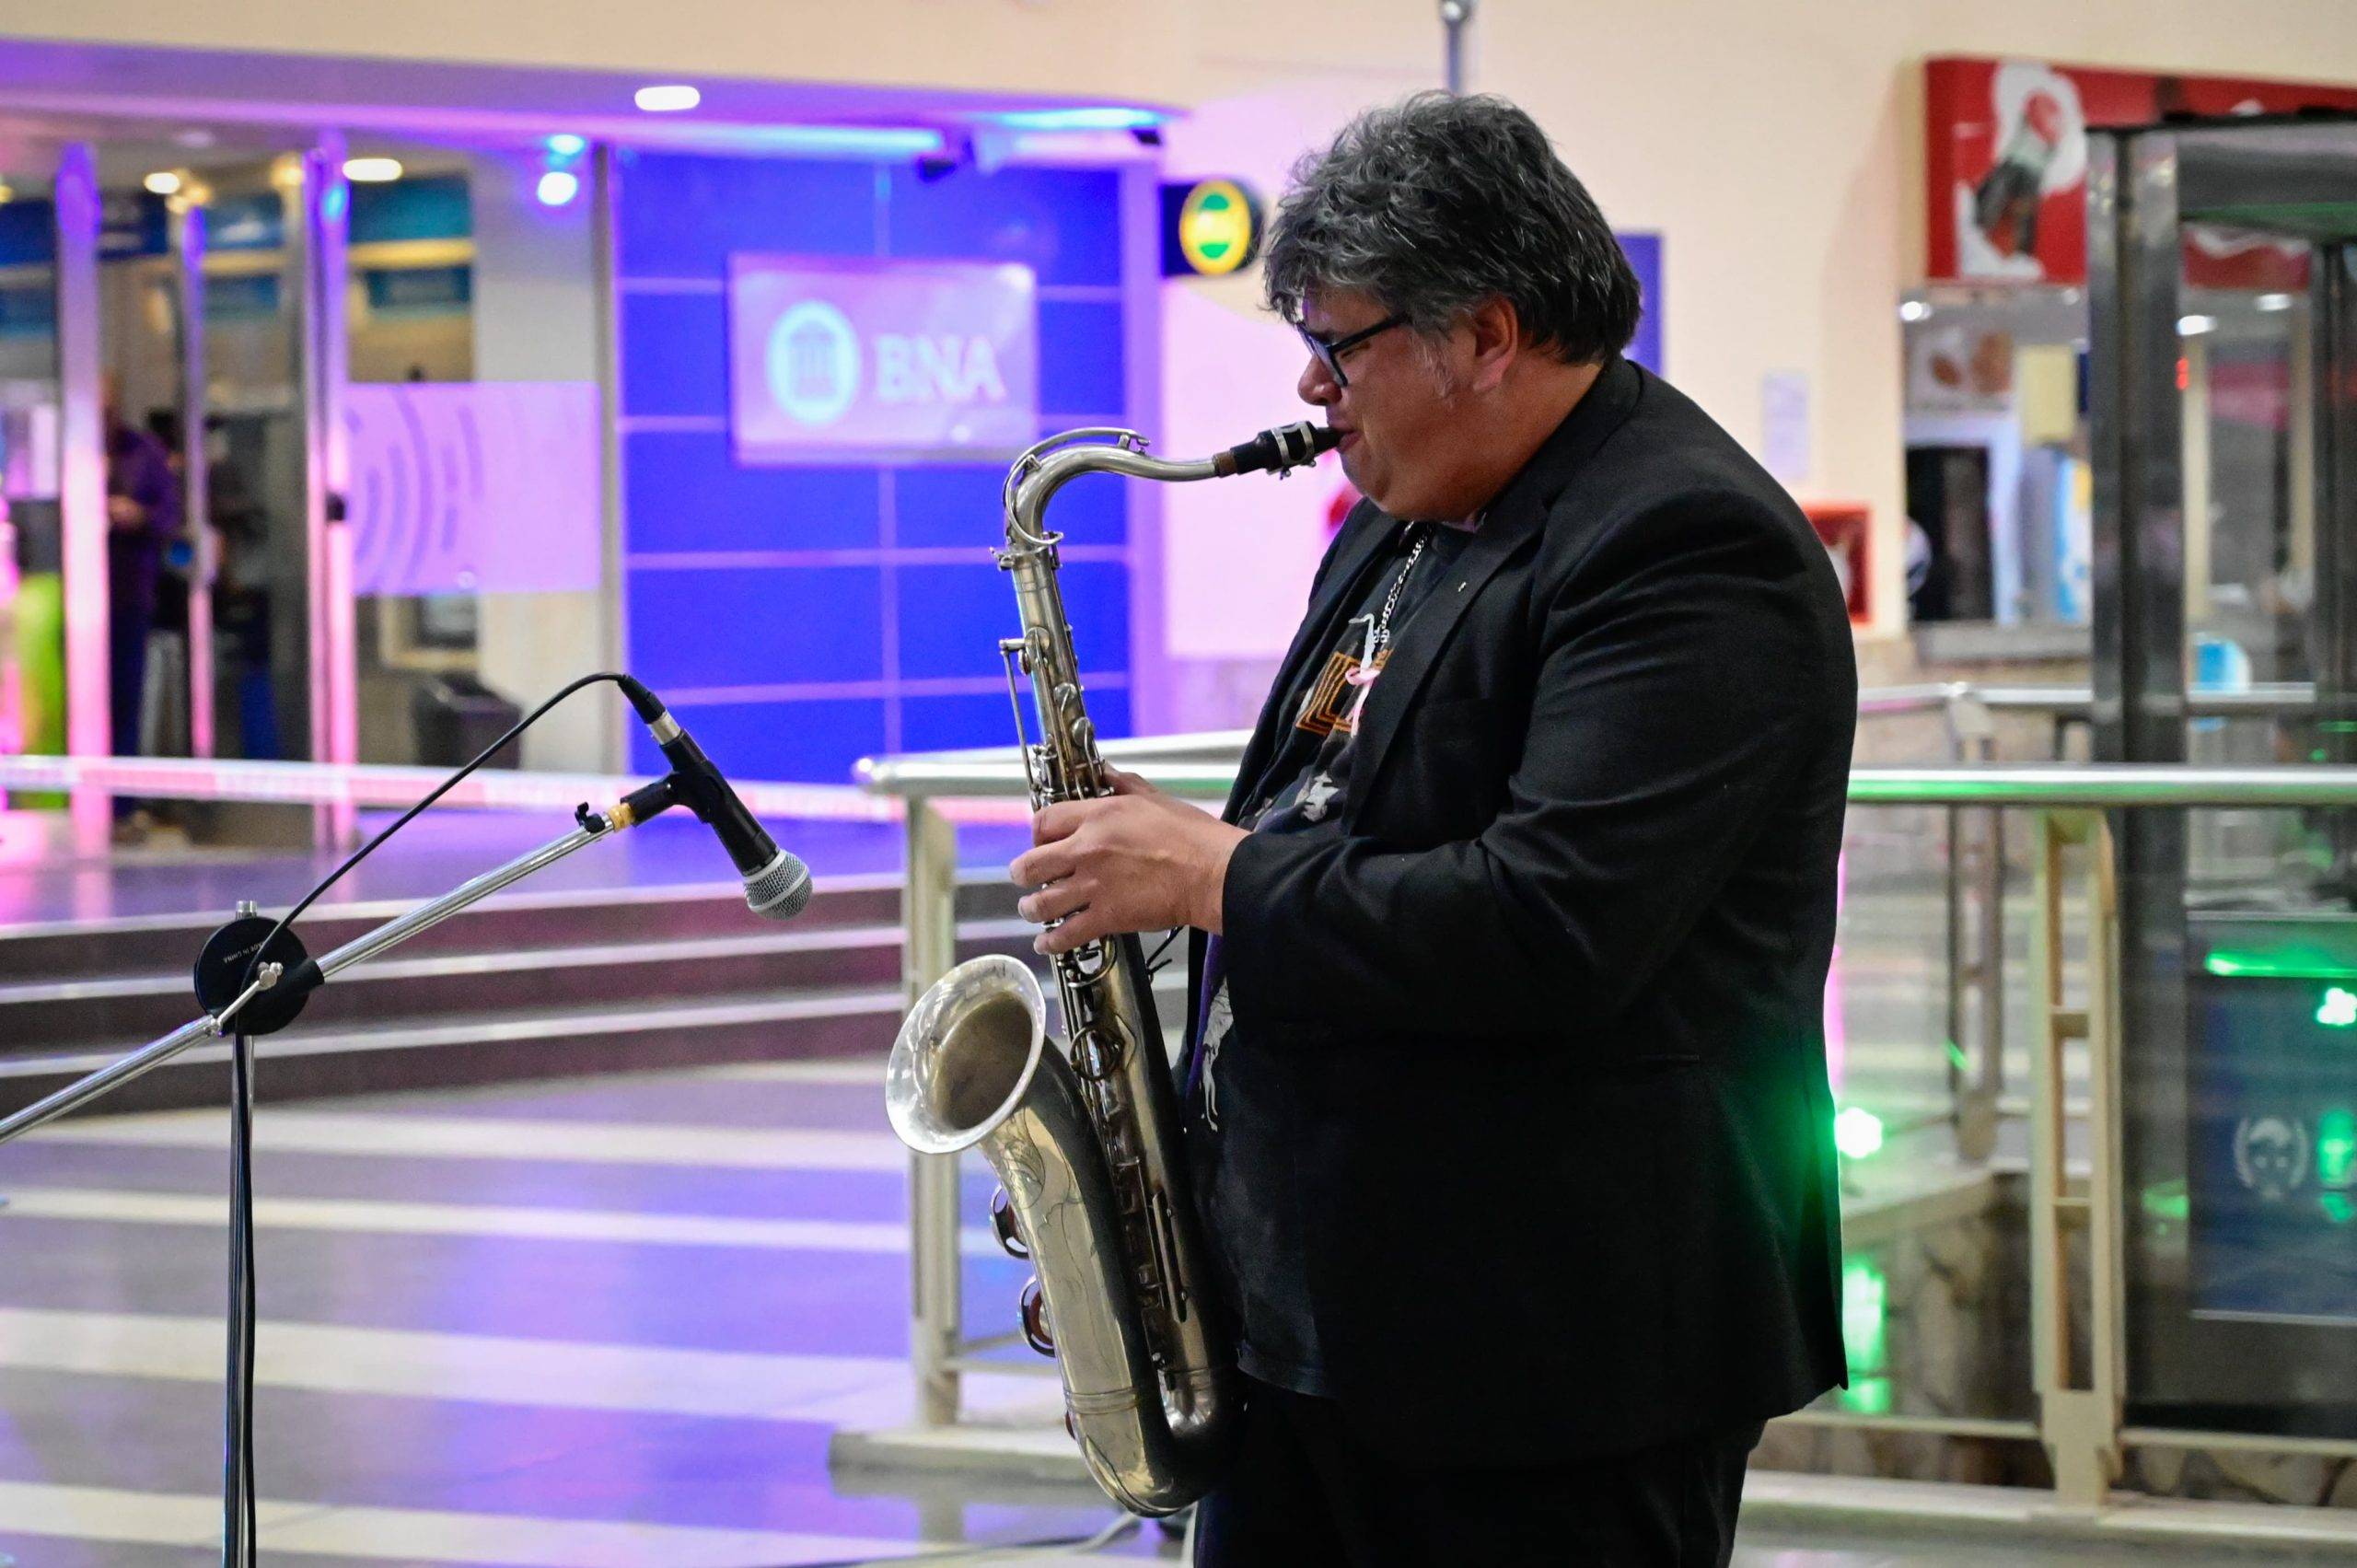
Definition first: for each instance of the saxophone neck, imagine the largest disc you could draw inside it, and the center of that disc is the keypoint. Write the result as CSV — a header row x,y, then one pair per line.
x,y
1056,463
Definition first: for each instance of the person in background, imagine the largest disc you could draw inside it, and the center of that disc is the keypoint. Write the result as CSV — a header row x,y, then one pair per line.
x,y
142,516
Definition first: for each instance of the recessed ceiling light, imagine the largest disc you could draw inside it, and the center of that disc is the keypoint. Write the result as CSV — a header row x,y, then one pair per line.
x,y
669,99
2273,302
565,143
2194,326
557,187
163,182
1913,310
372,170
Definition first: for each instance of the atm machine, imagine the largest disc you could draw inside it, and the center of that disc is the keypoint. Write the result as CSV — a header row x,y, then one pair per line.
x,y
2222,413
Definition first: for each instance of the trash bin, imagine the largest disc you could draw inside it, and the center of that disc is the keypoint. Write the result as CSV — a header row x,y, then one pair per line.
x,y
456,717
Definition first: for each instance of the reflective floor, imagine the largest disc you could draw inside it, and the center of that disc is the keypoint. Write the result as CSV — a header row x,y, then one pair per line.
x,y
590,1323
595,1324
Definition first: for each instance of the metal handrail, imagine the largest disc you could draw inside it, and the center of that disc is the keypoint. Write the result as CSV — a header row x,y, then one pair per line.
x,y
2090,785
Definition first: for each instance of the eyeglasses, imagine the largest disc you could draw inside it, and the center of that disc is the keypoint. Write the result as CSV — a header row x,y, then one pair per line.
x,y
1329,354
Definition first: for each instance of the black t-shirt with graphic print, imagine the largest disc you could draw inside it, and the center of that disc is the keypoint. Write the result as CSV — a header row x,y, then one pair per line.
x,y
1241,1087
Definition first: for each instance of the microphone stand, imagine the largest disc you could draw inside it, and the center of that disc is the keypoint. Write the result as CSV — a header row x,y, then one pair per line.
x,y
260,1008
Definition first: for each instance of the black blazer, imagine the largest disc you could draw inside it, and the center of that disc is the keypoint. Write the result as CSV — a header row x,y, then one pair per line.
x,y
1556,989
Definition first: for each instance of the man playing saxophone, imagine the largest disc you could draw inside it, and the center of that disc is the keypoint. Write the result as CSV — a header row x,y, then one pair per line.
x,y
1506,1098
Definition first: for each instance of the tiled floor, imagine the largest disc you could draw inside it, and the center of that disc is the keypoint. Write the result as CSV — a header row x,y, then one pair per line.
x,y
600,1323
596,1324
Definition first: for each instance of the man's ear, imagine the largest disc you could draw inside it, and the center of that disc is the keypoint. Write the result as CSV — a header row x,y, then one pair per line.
x,y
1497,342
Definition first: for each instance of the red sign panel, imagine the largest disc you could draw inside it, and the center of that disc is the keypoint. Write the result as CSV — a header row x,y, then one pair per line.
x,y
2006,166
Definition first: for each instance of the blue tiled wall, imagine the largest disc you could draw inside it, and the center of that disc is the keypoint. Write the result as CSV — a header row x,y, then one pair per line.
x,y
799,618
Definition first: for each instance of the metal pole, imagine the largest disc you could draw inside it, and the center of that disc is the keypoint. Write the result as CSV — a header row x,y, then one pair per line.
x,y
1455,18
604,196
82,487
333,699
936,1307
238,1545
197,506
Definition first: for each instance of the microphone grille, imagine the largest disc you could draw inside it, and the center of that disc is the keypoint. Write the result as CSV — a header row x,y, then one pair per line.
x,y
780,889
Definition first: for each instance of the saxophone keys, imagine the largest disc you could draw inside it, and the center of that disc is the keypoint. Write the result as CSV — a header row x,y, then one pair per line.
x,y
1002,1222
1035,1318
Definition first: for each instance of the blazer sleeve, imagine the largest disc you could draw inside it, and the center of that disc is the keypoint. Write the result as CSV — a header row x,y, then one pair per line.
x,y
1675,706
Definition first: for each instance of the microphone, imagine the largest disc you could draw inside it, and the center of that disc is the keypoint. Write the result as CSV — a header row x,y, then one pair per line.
x,y
777,885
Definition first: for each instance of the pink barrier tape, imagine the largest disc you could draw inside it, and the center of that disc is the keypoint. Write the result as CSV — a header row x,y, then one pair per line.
x,y
366,784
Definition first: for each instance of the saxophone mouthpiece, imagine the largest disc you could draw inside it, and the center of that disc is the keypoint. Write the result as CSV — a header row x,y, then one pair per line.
x,y
1278,451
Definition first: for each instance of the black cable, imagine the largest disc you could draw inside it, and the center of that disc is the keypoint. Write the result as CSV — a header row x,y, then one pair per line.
x,y
445,787
241,1218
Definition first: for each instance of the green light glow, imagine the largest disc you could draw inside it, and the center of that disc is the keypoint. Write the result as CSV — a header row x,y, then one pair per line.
x,y
1865,1335
1957,1058
2337,1147
1865,1315
1867,1395
1857,1132
2168,1201
2339,1008
2287,963
2338,1207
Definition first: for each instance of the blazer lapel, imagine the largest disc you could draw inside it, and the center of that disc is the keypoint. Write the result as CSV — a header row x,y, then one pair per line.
x,y
1515,519
1503,533
1340,586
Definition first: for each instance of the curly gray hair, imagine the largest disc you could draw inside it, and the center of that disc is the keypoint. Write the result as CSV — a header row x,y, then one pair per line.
x,y
1438,202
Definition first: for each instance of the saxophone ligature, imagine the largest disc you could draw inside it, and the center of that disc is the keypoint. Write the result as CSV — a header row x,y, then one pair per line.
x,y
1085,1141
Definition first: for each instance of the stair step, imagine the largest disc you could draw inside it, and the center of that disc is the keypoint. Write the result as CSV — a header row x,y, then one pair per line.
x,y
521,922
555,1042
119,1012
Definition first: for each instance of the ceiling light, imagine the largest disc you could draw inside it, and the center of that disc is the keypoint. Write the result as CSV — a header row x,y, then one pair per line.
x,y
1095,118
2273,302
565,143
667,100
557,187
1914,311
2194,326
372,170
163,182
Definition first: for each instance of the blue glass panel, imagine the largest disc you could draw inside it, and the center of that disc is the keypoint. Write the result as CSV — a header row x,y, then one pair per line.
x,y
423,290
940,724
1064,224
952,504
806,742
675,354
756,626
957,506
681,216
433,206
27,233
683,490
1097,602
952,617
1080,359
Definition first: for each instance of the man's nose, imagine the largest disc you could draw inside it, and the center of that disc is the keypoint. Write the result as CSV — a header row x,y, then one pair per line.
x,y
1317,386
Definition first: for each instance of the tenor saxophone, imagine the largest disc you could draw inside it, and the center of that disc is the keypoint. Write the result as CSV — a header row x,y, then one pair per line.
x,y
1086,1142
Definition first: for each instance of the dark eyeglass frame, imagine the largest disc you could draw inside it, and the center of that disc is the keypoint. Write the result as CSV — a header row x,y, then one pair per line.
x,y
1330,354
